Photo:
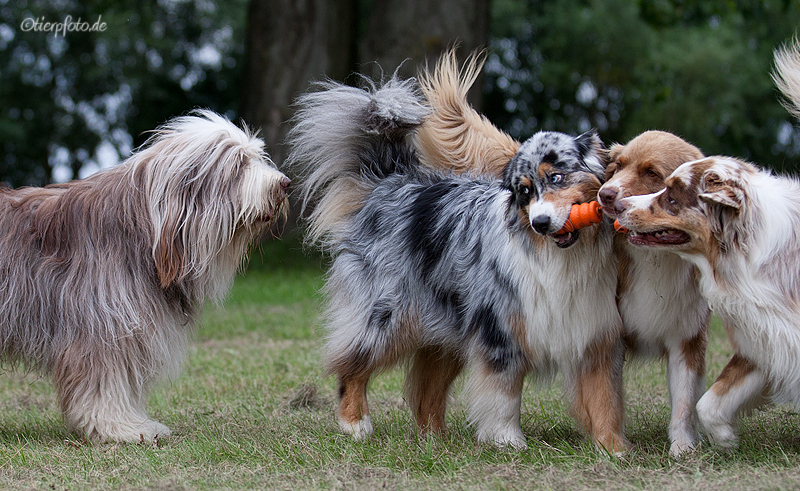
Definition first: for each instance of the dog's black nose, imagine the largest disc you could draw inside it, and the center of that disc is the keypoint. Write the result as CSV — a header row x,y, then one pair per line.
x,y
541,224
607,196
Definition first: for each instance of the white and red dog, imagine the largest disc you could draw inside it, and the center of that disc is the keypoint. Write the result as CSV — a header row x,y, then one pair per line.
x,y
453,271
739,225
659,298
102,278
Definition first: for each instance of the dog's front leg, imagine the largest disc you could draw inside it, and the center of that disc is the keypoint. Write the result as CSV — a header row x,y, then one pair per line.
x,y
494,405
102,392
595,390
686,370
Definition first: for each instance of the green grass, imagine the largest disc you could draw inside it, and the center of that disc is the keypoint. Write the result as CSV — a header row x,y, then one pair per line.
x,y
253,410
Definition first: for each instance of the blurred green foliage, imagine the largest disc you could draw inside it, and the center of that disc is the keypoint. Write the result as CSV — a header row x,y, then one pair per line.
x,y
700,69
80,100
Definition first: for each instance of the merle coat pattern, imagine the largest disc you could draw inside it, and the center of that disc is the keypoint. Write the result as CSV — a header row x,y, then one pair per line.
x,y
447,270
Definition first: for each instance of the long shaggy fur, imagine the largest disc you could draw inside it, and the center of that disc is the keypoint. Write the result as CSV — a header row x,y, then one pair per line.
x,y
446,270
102,278
738,224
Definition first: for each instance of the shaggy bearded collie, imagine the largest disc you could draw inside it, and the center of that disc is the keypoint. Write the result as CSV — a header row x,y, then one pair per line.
x,y
102,279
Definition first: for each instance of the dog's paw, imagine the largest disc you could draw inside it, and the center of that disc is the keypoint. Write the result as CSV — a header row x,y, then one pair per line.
x,y
684,438
613,444
681,447
718,429
721,435
128,432
153,430
504,438
359,430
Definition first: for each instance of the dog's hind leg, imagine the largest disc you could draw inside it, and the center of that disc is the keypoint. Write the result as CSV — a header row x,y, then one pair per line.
x,y
353,412
354,372
686,370
432,372
353,367
102,396
595,390
353,359
741,387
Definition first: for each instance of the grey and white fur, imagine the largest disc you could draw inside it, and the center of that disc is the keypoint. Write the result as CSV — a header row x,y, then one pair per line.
x,y
448,271
101,279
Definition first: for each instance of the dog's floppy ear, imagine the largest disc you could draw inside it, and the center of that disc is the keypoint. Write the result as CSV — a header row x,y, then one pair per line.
x,y
168,253
725,200
717,191
614,152
611,156
589,143
508,172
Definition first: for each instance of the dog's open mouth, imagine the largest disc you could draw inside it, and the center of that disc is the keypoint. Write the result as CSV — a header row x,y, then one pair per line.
x,y
658,237
565,240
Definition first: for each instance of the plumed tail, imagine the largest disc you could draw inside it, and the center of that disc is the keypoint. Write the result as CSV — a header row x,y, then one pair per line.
x,y
344,140
455,137
787,75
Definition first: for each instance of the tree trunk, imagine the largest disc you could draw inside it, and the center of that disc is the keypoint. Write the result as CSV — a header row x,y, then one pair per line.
x,y
416,32
293,42
289,44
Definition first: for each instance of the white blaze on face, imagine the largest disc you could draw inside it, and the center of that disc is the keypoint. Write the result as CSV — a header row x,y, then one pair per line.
x,y
641,202
543,208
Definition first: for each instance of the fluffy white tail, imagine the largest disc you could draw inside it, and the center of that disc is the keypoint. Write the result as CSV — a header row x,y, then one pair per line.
x,y
344,140
787,75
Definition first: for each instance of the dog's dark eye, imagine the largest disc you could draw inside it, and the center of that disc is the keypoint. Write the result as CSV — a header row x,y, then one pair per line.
x,y
556,178
525,190
650,173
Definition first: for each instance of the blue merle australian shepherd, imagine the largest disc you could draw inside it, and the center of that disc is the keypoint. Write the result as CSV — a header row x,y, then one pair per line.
x,y
453,272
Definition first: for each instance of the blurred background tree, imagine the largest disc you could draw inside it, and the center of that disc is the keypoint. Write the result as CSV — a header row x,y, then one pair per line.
x,y
293,42
75,103
700,69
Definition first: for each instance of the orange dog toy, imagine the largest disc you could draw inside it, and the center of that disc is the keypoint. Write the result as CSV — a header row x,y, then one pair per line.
x,y
582,215
619,228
